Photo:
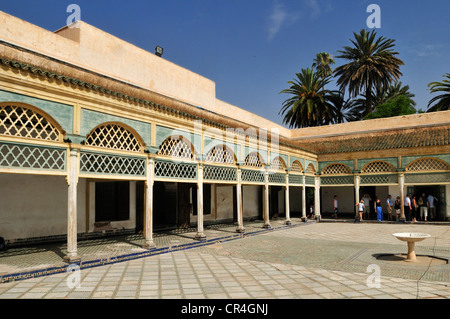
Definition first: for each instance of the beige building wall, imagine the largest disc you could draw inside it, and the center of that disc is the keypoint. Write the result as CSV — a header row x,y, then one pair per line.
x,y
35,206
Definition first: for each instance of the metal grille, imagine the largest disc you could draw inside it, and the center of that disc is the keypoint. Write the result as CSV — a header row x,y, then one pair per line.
x,y
379,179
277,178
176,146
19,121
428,164
113,136
175,170
337,168
378,167
252,176
219,173
253,160
295,179
427,178
336,180
296,167
278,164
111,164
220,154
34,157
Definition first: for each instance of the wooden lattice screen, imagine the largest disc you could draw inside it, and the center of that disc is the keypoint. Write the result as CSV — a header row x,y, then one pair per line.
x,y
20,121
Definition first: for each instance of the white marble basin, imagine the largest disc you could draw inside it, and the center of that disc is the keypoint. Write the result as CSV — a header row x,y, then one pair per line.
x,y
411,236
411,239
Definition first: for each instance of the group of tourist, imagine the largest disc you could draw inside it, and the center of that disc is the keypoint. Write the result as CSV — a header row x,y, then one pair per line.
x,y
415,207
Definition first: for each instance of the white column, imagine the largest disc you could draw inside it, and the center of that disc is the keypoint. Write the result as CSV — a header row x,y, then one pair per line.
x,y
304,199
266,200
240,217
148,217
287,206
72,181
200,234
357,178
317,196
401,181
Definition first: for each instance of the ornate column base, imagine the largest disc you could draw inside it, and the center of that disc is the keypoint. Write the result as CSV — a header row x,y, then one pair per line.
x,y
72,259
149,245
200,236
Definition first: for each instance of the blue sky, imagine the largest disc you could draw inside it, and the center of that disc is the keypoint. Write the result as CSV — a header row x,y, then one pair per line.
x,y
251,48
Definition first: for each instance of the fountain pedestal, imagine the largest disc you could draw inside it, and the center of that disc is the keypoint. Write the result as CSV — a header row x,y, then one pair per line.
x,y
411,239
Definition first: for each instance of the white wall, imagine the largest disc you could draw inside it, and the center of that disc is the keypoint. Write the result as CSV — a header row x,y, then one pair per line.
x,y
35,206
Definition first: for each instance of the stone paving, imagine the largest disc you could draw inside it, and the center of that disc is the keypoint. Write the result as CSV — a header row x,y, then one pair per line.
x,y
308,260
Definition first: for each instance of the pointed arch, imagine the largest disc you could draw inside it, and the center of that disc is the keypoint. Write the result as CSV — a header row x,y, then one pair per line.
x,y
177,146
221,154
296,166
310,169
24,120
254,160
115,135
278,164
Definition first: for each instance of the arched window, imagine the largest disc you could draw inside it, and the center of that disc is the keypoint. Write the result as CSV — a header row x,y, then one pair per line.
x,y
428,164
254,160
115,136
310,169
378,167
336,169
220,154
177,146
278,164
296,167
21,120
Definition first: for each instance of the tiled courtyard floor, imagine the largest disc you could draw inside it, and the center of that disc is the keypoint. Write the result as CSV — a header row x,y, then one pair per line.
x,y
307,260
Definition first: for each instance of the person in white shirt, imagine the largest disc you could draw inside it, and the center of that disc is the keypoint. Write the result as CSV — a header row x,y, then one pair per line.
x,y
335,206
360,209
407,206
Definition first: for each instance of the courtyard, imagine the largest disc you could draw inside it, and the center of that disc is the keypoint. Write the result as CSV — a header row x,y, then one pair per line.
x,y
326,260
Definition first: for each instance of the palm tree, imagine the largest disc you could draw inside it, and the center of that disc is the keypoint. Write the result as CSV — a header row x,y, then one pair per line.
x,y
322,63
443,100
309,105
373,64
344,110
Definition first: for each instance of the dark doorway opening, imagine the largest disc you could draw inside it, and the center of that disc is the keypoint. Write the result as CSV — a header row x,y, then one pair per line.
x,y
112,201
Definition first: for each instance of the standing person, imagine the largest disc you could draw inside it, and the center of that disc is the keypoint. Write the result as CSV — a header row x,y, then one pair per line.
x,y
335,206
432,206
378,209
360,209
407,206
389,205
423,204
367,200
397,208
415,209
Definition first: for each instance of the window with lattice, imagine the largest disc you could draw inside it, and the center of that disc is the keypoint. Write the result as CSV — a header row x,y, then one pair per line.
x,y
296,167
335,169
378,167
20,121
220,154
278,164
310,169
254,160
113,136
176,146
428,164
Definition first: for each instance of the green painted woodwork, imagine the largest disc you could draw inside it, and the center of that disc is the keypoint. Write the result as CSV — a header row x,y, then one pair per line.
x,y
61,113
91,119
